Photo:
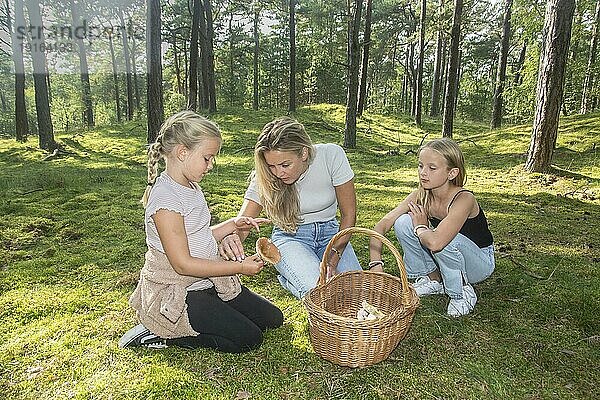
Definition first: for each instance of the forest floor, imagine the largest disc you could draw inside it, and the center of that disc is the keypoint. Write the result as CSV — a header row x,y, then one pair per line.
x,y
73,242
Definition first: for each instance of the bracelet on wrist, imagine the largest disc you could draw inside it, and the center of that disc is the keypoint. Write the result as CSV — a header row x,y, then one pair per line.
x,y
376,263
337,252
416,229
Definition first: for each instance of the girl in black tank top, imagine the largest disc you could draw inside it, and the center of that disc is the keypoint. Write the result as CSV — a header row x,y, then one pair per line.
x,y
447,255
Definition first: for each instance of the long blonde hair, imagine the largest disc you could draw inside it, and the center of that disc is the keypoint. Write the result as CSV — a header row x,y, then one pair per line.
x,y
449,149
280,201
186,128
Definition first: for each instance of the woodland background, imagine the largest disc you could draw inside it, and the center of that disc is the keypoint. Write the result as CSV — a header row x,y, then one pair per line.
x,y
76,64
518,90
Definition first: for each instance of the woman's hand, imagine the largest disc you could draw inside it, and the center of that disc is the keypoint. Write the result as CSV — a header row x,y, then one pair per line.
x,y
332,262
231,248
247,223
417,214
251,265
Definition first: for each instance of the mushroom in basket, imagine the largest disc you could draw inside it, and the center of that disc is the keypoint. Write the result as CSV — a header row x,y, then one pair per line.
x,y
267,250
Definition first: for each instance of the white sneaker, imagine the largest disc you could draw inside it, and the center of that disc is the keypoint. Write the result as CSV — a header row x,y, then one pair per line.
x,y
469,295
425,286
460,307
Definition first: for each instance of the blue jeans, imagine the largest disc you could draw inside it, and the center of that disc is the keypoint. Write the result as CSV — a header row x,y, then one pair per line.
x,y
302,252
460,260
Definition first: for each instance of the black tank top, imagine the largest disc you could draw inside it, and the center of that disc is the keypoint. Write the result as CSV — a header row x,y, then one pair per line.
x,y
476,228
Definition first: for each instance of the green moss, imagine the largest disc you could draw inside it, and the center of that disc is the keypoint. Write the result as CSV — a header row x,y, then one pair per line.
x,y
73,241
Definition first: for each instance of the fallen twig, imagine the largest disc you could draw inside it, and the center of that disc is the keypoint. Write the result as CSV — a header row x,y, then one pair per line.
x,y
468,140
526,271
243,149
30,191
57,153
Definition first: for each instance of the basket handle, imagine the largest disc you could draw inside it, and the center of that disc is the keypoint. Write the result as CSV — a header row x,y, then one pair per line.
x,y
384,240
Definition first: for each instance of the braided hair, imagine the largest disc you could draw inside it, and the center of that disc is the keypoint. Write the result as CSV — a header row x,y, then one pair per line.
x,y
186,128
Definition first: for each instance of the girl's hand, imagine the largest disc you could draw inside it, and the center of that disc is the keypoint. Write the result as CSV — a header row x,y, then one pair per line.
x,y
251,265
231,248
247,223
417,214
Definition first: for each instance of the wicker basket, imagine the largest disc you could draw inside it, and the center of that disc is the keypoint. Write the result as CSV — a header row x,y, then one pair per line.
x,y
336,334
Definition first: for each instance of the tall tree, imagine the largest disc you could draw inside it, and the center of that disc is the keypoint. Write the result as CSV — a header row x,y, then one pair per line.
x,y
520,62
550,84
292,81
115,75
136,89
419,91
21,124
193,71
204,87
362,93
434,110
451,81
84,75
255,33
210,57
40,78
126,56
352,89
501,76
154,70
589,73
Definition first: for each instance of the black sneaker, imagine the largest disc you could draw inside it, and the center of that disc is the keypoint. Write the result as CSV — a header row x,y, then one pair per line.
x,y
141,336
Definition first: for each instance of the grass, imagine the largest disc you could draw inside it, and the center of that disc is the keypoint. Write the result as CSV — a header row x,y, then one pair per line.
x,y
73,241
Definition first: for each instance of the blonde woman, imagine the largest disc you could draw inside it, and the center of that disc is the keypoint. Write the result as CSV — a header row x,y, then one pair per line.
x,y
301,187
442,230
187,295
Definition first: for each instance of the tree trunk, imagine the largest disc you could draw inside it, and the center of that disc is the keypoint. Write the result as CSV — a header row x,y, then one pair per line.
x,y
40,75
185,68
126,56
457,80
292,81
501,76
231,90
550,84
406,80
419,92
193,71
115,75
255,93
519,67
17,41
136,89
176,62
413,80
451,82
210,57
434,111
203,44
589,72
154,67
362,98
351,100
86,95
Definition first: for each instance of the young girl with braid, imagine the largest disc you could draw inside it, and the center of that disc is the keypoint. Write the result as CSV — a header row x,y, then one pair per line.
x,y
442,230
187,295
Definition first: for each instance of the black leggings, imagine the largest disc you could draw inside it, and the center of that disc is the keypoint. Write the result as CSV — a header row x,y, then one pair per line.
x,y
234,326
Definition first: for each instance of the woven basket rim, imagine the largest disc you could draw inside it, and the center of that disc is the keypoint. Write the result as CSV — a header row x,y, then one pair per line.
x,y
389,318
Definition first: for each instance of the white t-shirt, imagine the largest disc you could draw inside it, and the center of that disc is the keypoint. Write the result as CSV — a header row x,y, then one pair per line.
x,y
316,187
191,204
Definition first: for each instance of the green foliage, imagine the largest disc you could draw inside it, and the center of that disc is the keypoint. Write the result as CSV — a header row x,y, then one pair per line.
x,y
73,242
